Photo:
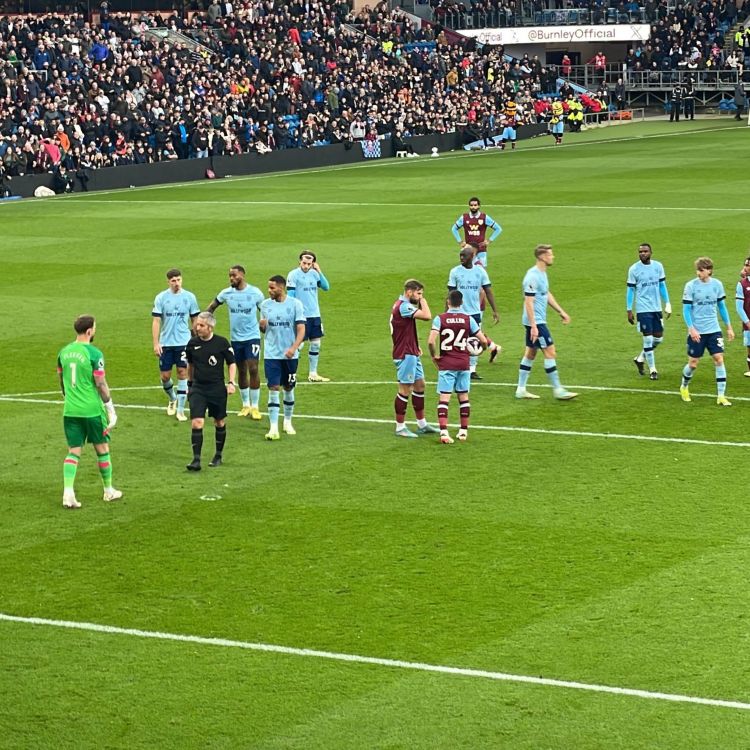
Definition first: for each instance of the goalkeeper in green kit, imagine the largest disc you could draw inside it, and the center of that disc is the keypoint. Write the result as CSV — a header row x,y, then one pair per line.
x,y
88,414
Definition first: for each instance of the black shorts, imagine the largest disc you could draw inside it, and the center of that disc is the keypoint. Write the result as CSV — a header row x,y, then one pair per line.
x,y
212,400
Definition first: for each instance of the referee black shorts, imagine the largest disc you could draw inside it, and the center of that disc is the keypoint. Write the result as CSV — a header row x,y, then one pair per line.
x,y
212,400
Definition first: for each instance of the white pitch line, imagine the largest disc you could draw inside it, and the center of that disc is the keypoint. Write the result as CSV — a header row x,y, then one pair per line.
x,y
491,428
486,384
408,206
391,663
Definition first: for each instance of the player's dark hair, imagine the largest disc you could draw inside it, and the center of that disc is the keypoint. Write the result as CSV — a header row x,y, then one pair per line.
x,y
172,272
474,199
541,250
278,280
455,298
83,322
239,268
645,244
413,285
308,252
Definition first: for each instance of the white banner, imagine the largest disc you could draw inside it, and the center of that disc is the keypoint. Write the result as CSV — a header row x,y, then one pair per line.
x,y
561,34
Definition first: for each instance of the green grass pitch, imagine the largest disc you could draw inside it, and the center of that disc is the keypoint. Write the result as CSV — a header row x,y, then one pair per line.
x,y
602,541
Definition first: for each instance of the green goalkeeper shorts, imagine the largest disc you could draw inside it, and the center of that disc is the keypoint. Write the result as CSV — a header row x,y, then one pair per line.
x,y
81,430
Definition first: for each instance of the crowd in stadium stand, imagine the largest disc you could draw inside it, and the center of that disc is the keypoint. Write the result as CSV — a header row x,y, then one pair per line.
x,y
505,13
266,76
690,39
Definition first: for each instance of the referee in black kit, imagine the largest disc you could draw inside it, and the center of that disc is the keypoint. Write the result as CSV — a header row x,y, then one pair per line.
x,y
206,355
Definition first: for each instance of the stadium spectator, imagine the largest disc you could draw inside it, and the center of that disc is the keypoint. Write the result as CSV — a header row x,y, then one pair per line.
x,y
619,95
599,62
262,61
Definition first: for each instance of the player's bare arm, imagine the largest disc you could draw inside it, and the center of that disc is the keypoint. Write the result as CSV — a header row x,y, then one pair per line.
x,y
101,385
434,354
289,353
491,300
155,328
423,313
555,305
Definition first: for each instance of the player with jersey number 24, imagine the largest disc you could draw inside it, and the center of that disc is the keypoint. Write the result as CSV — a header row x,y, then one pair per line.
x,y
454,333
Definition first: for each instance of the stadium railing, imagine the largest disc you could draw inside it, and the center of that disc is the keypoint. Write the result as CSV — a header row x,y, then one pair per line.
x,y
650,88
492,19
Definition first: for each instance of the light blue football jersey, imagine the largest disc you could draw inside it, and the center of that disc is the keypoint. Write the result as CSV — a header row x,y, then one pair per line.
x,y
469,281
536,285
175,311
243,305
305,288
281,329
703,297
644,279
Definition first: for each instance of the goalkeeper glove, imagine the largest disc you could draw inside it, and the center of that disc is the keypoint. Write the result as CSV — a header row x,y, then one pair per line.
x,y
110,407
